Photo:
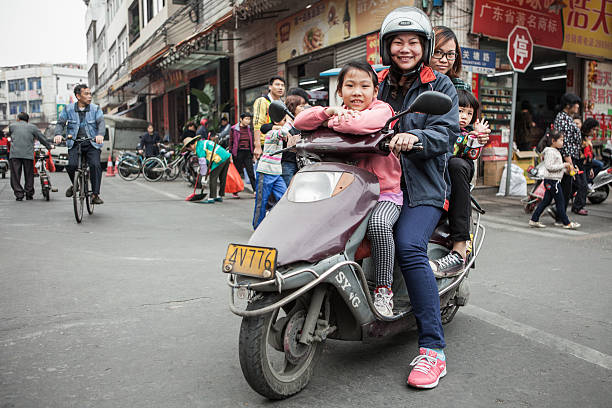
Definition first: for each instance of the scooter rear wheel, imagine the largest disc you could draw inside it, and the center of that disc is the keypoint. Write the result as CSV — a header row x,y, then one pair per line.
x,y
264,363
600,195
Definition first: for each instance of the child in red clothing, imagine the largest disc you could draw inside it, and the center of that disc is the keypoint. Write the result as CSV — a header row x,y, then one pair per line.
x,y
362,114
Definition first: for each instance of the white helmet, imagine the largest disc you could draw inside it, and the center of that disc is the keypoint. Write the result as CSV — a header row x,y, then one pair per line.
x,y
406,20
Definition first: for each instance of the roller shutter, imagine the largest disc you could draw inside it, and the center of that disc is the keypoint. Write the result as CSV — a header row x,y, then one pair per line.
x,y
354,50
258,70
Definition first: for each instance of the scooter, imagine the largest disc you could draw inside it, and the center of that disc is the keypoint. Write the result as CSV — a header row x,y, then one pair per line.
x,y
600,189
306,274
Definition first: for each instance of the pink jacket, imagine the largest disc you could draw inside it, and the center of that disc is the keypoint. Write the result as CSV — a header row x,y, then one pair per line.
x,y
371,120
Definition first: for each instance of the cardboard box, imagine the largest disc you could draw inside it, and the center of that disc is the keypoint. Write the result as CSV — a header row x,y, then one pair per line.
x,y
525,159
495,151
493,171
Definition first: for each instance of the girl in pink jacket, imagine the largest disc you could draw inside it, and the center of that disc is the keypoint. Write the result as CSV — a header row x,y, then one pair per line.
x,y
362,114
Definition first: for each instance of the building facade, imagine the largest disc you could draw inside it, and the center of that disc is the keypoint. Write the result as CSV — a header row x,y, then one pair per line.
x,y
40,90
237,45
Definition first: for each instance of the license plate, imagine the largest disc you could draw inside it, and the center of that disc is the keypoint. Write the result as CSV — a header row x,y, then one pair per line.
x,y
250,260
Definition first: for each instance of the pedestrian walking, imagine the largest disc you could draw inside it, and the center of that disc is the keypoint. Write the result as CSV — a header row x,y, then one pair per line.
x,y
553,171
83,120
21,157
572,145
241,143
276,91
223,134
149,142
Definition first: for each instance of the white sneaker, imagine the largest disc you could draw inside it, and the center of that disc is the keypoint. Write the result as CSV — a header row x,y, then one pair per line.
x,y
383,301
536,224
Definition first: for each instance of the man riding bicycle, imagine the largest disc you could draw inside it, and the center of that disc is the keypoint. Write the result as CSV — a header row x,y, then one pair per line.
x,y
83,120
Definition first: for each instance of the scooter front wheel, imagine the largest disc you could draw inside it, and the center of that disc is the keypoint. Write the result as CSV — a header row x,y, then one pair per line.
x,y
273,361
599,195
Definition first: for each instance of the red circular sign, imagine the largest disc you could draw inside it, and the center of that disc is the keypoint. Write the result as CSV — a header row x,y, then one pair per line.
x,y
520,48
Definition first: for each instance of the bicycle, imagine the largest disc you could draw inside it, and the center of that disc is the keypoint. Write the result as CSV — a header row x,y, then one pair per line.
x,y
45,182
130,166
81,193
155,168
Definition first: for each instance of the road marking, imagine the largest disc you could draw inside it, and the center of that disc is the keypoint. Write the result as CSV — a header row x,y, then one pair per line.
x,y
157,190
550,340
525,229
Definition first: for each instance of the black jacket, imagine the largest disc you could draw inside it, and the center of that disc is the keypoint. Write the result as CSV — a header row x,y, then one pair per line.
x,y
148,143
425,173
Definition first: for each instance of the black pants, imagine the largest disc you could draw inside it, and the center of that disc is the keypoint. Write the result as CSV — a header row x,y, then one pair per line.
x,y
461,172
579,182
28,172
93,159
553,191
244,160
218,176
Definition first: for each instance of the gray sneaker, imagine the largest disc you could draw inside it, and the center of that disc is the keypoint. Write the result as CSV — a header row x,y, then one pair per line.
x,y
96,199
448,266
383,301
69,192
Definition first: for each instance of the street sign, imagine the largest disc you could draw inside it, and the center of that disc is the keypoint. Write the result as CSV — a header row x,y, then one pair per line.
x,y
478,61
520,48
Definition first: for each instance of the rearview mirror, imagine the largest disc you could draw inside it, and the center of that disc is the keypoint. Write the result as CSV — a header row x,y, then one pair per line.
x,y
429,102
277,111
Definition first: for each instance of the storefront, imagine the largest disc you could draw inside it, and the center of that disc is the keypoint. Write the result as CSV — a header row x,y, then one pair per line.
x,y
562,41
326,35
254,74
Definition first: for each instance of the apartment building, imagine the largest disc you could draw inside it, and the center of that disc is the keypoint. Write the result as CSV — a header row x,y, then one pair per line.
x,y
40,90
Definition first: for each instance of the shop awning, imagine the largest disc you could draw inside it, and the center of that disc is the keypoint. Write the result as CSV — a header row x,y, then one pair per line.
x,y
120,82
152,60
192,52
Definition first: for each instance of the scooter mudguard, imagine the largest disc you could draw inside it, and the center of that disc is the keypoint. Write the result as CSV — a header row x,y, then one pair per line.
x,y
312,231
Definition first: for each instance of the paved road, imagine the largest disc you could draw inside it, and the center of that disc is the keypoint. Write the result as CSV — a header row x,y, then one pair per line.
x,y
129,309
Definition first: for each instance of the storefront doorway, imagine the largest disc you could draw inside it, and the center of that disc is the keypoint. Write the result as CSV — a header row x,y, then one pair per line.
x,y
305,74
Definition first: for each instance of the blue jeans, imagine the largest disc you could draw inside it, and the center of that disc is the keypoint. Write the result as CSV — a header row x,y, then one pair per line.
x,y
412,233
266,184
289,169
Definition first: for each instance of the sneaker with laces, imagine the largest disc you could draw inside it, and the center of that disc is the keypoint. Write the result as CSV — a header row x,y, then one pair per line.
x,y
383,301
536,224
572,225
427,369
448,266
96,199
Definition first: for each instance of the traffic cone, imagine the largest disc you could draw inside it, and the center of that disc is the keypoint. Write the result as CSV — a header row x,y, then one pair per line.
x,y
117,165
109,167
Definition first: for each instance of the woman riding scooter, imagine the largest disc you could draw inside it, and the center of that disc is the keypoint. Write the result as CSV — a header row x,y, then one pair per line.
x,y
406,44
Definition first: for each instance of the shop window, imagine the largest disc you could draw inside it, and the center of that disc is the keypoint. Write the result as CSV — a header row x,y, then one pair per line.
x,y
16,85
17,107
34,83
2,84
101,43
36,106
2,109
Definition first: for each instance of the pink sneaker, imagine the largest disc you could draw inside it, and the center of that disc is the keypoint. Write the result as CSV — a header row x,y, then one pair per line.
x,y
428,369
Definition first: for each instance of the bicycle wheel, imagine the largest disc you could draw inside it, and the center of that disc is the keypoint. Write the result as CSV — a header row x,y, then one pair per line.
x,y
77,200
128,168
153,169
89,204
173,171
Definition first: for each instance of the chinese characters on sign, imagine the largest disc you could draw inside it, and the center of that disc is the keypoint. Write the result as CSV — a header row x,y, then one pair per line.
x,y
479,61
520,48
584,26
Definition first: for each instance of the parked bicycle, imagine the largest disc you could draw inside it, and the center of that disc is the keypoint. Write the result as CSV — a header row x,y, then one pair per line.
x,y
81,191
41,155
156,168
130,166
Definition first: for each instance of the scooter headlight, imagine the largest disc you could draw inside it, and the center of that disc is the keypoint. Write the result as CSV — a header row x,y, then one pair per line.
x,y
313,186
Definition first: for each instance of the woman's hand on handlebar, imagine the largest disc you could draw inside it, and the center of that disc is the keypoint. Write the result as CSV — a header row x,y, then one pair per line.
x,y
402,142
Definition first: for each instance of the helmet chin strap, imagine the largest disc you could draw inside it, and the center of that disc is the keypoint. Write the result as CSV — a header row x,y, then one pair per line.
x,y
414,71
